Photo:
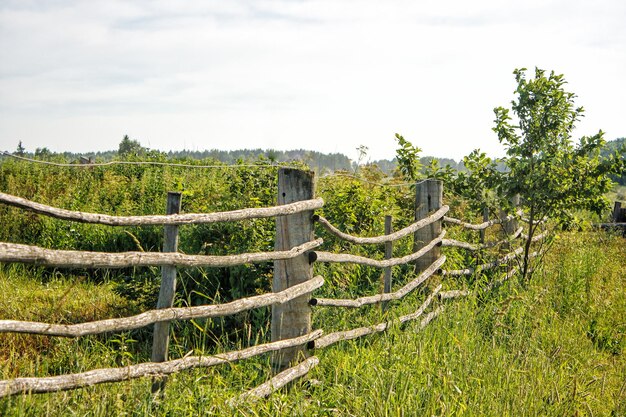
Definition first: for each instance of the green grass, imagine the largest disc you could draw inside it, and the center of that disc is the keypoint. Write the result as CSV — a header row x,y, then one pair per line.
x,y
553,347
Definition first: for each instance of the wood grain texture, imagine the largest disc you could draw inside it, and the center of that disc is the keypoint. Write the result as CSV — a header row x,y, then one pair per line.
x,y
335,337
190,218
166,314
99,376
489,265
346,258
13,252
379,298
480,226
293,318
167,290
277,382
428,198
387,237
481,246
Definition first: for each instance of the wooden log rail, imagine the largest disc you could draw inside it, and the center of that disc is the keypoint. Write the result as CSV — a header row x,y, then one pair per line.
x,y
154,316
99,376
153,220
538,237
487,245
10,252
339,336
13,252
409,230
539,221
480,226
379,298
447,295
345,258
277,382
483,267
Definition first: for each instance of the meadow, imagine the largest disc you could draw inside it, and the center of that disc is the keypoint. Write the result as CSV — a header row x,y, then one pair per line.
x,y
553,346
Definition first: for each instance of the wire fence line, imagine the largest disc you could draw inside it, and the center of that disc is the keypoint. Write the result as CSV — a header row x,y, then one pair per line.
x,y
272,165
154,163
313,339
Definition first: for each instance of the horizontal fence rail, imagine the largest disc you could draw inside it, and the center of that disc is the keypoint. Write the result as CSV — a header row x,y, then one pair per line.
x,y
361,260
280,380
480,226
336,337
447,295
289,302
469,271
155,220
379,298
99,376
480,246
409,230
154,316
537,237
538,221
13,252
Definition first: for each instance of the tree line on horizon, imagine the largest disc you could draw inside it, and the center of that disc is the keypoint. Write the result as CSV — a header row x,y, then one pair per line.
x,y
319,162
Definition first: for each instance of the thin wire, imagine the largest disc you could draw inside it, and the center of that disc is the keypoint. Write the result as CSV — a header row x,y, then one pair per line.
x,y
23,158
380,184
38,161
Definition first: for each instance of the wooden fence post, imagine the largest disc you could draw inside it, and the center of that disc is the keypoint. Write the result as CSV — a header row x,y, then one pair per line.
x,y
617,208
485,219
161,336
428,198
293,318
510,226
388,255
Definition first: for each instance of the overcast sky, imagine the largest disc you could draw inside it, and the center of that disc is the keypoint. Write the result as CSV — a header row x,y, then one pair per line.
x,y
327,75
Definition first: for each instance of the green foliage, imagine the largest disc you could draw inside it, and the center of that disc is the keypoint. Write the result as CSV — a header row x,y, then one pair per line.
x,y
20,149
129,147
553,177
617,146
408,159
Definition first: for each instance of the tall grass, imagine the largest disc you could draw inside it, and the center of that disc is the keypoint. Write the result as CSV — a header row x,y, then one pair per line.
x,y
553,347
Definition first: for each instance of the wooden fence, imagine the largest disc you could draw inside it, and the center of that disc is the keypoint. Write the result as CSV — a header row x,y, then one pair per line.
x,y
292,337
618,219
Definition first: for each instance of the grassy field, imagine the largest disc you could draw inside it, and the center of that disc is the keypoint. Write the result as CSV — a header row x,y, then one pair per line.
x,y
554,347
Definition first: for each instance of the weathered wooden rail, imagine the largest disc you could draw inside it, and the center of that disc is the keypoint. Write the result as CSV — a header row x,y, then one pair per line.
x,y
292,338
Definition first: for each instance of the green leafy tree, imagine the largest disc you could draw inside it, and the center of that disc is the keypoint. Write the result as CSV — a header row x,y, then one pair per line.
x,y
553,176
129,147
20,149
408,157
42,153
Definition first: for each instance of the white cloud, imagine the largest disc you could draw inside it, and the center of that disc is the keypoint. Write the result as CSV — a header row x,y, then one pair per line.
x,y
321,74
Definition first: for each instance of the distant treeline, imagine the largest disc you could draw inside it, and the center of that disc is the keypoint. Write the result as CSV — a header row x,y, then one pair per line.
x,y
319,162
